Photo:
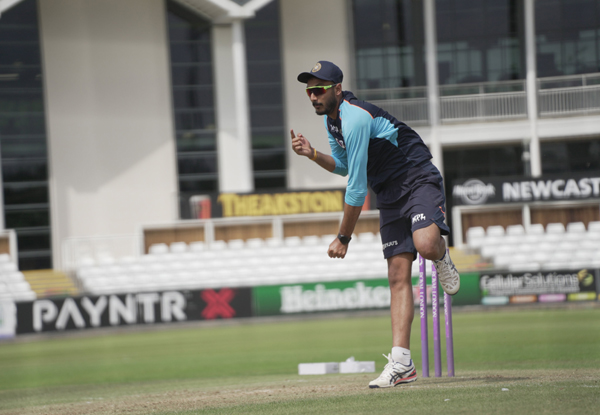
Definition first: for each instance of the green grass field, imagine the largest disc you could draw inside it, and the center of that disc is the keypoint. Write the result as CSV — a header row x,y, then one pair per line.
x,y
507,361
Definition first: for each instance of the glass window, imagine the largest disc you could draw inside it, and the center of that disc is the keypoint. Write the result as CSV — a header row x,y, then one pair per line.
x,y
570,156
568,37
193,103
23,136
478,162
480,41
389,42
265,91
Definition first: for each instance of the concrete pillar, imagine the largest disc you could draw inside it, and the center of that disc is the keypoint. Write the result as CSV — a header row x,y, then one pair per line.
x,y
532,143
433,96
232,108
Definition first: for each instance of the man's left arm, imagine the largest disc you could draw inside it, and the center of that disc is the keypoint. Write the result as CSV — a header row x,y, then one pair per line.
x,y
351,213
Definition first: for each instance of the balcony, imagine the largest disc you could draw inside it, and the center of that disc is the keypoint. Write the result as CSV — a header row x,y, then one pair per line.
x,y
507,100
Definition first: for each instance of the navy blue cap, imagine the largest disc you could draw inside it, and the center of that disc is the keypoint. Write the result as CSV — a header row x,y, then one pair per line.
x,y
324,70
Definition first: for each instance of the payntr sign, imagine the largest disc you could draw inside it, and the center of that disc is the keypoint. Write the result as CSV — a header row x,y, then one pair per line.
x,y
73,313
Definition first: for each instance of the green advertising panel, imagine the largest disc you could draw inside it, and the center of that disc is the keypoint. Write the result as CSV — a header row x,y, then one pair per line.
x,y
346,296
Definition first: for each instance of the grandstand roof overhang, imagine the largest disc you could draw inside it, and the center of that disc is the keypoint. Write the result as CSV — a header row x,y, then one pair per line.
x,y
217,11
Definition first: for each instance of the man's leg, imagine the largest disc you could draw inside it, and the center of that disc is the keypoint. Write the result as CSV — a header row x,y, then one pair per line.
x,y
430,244
402,310
402,306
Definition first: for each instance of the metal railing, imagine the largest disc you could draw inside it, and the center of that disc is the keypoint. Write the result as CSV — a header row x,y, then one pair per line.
x,y
567,95
483,107
406,104
506,100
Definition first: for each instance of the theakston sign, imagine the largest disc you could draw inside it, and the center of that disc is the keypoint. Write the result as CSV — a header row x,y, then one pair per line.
x,y
497,190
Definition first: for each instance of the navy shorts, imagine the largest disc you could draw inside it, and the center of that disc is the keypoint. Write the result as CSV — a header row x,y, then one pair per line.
x,y
413,201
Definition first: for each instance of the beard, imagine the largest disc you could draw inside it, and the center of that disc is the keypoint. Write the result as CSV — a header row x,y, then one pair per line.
x,y
326,107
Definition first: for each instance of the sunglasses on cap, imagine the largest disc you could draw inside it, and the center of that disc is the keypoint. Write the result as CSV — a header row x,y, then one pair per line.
x,y
318,90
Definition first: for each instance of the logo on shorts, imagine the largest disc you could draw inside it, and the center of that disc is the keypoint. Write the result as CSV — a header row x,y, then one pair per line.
x,y
388,244
417,218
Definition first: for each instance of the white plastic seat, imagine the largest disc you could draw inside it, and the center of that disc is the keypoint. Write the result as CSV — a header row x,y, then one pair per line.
x,y
524,267
567,246
475,237
292,241
218,245
236,244
594,226
555,228
274,242
513,230
311,240
8,267
495,230
366,237
576,227
328,238
4,258
535,229
255,243
525,248
21,286
158,249
541,257
197,246
178,247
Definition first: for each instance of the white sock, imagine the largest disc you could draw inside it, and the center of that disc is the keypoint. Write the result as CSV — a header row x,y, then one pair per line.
x,y
402,355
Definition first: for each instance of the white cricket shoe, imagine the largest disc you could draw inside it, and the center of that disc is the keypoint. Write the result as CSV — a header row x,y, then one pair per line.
x,y
447,274
394,373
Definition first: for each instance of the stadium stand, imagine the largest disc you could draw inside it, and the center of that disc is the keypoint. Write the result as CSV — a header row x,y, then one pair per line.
x,y
235,263
13,285
535,248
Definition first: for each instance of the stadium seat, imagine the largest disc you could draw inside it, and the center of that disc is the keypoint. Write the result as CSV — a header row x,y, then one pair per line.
x,y
594,226
515,230
475,237
197,246
236,244
158,249
535,229
495,230
178,247
555,228
576,227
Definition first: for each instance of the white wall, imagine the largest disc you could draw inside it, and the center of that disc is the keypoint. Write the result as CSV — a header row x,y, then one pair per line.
x,y
109,123
312,30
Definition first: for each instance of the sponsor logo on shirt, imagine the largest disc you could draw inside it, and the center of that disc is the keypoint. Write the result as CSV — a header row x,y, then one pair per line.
x,y
418,218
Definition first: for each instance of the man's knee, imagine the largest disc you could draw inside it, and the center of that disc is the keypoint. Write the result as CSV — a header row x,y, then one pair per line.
x,y
428,242
399,270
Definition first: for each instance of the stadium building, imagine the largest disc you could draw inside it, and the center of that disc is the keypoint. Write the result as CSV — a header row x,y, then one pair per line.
x,y
115,114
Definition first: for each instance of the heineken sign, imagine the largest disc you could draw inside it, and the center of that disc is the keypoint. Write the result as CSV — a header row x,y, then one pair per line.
x,y
364,294
503,190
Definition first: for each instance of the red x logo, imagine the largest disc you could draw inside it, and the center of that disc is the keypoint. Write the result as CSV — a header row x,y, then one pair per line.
x,y
217,303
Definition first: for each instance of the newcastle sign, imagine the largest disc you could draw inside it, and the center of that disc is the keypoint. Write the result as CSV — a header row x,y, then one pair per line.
x,y
498,190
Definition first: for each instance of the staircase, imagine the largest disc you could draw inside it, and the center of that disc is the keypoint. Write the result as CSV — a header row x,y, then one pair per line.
x,y
465,262
50,283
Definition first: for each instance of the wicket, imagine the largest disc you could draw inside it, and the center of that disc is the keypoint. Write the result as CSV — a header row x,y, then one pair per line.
x,y
437,352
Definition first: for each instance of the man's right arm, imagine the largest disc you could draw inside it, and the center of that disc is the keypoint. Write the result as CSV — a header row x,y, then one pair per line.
x,y
302,147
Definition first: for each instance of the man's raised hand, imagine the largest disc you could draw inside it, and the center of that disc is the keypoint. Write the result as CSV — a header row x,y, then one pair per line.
x,y
300,145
